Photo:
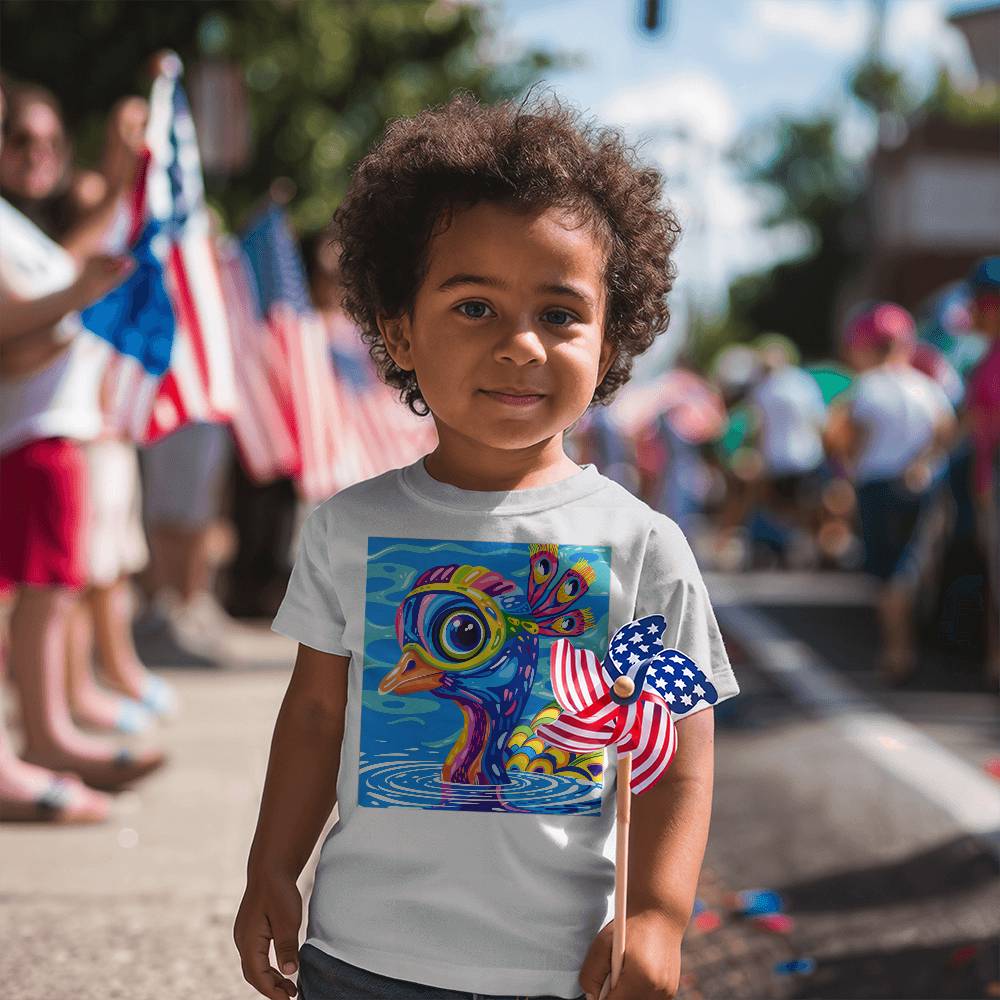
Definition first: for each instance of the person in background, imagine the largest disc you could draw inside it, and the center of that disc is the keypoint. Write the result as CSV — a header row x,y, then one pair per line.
x,y
184,475
892,431
84,211
983,410
49,402
790,415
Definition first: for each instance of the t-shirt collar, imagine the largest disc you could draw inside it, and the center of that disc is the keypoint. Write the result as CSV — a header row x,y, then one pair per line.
x,y
419,482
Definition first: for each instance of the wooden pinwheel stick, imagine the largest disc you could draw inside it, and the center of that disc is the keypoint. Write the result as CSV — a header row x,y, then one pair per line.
x,y
624,687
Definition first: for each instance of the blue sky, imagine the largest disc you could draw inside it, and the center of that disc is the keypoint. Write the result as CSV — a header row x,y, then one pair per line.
x,y
720,65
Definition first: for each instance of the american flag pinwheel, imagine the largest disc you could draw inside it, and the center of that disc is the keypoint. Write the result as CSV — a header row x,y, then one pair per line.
x,y
629,701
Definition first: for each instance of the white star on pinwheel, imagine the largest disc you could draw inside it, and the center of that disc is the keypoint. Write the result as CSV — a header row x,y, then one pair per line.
x,y
679,684
686,699
688,673
676,659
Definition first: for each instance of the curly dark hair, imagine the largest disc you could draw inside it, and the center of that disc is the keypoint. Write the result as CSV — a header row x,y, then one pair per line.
x,y
533,155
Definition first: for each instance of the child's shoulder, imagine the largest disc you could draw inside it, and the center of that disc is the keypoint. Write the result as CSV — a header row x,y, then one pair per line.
x,y
356,500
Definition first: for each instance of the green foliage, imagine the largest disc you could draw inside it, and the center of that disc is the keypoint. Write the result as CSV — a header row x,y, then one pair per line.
x,y
816,188
881,87
980,106
820,191
323,77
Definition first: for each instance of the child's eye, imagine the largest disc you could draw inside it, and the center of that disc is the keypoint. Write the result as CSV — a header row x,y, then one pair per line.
x,y
558,317
474,310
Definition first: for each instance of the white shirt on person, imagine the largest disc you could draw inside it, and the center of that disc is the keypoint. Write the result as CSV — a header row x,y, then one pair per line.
x,y
62,399
897,408
793,414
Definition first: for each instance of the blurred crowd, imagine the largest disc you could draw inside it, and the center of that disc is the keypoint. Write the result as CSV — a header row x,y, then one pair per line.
x,y
884,460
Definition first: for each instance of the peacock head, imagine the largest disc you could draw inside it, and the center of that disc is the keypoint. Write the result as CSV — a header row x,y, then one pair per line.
x,y
465,626
452,628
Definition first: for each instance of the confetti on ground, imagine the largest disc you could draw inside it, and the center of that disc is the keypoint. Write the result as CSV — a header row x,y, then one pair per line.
x,y
778,923
758,902
707,921
961,956
992,767
699,905
800,966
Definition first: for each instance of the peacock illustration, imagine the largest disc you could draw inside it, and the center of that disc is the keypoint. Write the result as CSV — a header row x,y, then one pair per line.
x,y
469,635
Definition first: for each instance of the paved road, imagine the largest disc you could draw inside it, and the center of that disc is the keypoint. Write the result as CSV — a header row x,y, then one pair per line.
x,y
890,896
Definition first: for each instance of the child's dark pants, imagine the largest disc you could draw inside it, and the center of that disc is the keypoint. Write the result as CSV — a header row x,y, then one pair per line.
x,y
323,977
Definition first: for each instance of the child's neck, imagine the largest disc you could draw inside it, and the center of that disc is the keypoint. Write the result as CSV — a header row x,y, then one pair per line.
x,y
471,465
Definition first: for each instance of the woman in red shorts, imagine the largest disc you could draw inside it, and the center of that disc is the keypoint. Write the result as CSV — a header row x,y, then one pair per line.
x,y
49,383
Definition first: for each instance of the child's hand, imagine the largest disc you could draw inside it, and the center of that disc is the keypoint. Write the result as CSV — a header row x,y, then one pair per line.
x,y
271,910
652,968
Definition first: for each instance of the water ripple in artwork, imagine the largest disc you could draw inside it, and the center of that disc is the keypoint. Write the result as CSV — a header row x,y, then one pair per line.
x,y
390,782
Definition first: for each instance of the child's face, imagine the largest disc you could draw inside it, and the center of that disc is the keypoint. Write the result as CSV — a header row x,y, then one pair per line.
x,y
511,302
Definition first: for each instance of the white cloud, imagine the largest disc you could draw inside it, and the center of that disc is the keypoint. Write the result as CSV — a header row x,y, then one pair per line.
x,y
841,28
694,102
917,30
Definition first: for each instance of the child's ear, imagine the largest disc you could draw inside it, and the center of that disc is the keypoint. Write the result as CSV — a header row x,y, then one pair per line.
x,y
607,358
396,335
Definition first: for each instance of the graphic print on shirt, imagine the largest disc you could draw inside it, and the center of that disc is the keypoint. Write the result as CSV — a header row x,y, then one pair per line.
x,y
456,674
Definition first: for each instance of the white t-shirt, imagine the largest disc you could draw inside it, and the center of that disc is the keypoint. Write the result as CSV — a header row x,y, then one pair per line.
x,y
898,407
63,398
793,414
491,886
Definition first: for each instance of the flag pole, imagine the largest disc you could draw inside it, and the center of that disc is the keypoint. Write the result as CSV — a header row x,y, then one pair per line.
x,y
623,686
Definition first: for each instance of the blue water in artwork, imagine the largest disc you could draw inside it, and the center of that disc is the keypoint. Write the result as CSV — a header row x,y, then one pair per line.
x,y
457,636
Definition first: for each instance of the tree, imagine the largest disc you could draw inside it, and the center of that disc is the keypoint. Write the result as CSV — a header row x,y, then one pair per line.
x,y
323,77
818,189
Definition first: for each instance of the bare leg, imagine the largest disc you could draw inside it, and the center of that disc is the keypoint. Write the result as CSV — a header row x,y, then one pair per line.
x,y
39,635
180,559
91,705
122,668
895,607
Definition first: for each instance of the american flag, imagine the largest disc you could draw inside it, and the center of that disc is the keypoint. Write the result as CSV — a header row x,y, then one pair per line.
x,y
263,421
667,684
172,360
389,435
329,454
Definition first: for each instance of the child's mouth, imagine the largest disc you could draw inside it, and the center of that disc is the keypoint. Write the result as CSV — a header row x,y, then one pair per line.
x,y
512,399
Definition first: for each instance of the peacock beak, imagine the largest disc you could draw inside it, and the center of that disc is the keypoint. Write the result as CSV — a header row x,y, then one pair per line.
x,y
412,673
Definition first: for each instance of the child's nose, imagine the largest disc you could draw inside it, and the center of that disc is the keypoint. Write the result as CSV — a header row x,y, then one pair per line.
x,y
521,344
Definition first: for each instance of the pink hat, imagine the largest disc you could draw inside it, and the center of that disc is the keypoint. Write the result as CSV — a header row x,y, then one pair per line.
x,y
880,325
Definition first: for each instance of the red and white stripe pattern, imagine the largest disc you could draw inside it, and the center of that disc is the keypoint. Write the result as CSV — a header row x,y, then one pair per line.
x,y
263,424
200,383
376,432
593,716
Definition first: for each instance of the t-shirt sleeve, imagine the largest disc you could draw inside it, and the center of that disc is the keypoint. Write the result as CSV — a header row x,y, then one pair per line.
x,y
671,584
311,611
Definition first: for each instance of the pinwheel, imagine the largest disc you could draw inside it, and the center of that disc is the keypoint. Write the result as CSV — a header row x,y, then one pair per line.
x,y
627,701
